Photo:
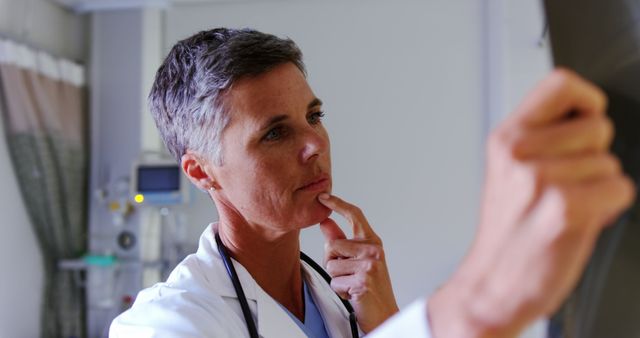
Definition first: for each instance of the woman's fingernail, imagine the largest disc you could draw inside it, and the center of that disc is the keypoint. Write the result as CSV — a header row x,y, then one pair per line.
x,y
323,196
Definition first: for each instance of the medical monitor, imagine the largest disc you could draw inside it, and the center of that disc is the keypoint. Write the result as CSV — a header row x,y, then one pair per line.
x,y
159,182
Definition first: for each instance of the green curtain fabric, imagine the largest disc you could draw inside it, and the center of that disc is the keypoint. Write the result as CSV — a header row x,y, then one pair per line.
x,y
45,121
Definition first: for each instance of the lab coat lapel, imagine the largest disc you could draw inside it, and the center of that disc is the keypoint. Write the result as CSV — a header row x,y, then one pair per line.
x,y
334,314
216,273
273,321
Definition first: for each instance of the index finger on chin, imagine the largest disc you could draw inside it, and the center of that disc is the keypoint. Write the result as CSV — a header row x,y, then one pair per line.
x,y
353,214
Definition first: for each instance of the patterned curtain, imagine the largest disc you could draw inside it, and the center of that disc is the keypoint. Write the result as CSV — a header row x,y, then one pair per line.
x,y
43,103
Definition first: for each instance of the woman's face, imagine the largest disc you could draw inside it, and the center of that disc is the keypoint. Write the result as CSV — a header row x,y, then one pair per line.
x,y
276,158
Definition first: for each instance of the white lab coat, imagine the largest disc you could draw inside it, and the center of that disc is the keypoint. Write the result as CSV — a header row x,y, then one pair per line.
x,y
198,300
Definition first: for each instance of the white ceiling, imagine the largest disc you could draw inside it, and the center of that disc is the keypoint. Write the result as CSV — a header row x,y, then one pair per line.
x,y
100,5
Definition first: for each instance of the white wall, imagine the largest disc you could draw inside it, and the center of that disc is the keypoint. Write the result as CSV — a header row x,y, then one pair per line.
x,y
517,53
401,82
49,28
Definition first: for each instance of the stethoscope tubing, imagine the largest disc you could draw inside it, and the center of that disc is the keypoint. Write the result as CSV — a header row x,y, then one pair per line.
x,y
352,315
231,271
244,305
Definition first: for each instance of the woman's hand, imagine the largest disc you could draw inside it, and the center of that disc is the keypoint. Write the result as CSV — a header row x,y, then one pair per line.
x,y
551,187
357,266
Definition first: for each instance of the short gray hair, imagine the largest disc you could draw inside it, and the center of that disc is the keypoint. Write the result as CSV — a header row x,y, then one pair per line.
x,y
187,96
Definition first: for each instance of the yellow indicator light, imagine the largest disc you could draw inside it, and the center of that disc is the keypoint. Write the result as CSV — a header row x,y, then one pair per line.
x,y
139,198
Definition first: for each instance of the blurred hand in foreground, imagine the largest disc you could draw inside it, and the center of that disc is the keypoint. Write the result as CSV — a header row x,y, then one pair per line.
x,y
551,187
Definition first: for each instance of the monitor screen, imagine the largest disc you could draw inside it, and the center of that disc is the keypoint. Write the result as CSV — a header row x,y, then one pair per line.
x,y
158,178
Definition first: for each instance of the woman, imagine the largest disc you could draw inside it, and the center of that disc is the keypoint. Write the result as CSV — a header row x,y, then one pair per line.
x,y
234,107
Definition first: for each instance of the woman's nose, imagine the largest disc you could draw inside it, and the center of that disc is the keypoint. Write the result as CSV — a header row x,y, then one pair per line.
x,y
316,143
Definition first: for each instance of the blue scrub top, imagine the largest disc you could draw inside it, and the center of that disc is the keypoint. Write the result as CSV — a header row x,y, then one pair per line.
x,y
313,325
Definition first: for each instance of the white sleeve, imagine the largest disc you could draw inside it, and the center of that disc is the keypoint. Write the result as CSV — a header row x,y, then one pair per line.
x,y
410,322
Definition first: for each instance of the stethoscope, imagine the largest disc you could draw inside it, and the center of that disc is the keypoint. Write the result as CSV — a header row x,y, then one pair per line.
x,y
251,325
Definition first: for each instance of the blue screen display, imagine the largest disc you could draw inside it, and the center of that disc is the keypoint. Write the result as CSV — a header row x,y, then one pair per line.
x,y
158,179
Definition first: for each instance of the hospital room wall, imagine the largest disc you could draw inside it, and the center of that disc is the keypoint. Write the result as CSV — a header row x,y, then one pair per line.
x,y
47,27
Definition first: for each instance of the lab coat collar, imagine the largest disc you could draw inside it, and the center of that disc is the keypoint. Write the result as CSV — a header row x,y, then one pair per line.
x,y
216,274
271,317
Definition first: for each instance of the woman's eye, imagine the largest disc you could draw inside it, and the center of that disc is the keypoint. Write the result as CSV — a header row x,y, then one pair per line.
x,y
274,134
316,117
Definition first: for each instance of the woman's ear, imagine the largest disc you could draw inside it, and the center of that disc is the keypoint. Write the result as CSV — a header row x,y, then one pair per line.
x,y
196,170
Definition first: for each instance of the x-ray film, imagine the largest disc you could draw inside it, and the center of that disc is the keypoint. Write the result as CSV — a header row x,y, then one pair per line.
x,y
600,39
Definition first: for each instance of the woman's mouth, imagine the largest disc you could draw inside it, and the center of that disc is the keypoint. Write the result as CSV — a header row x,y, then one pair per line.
x,y
319,183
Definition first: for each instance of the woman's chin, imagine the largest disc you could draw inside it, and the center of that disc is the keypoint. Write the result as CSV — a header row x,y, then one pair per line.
x,y
316,214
